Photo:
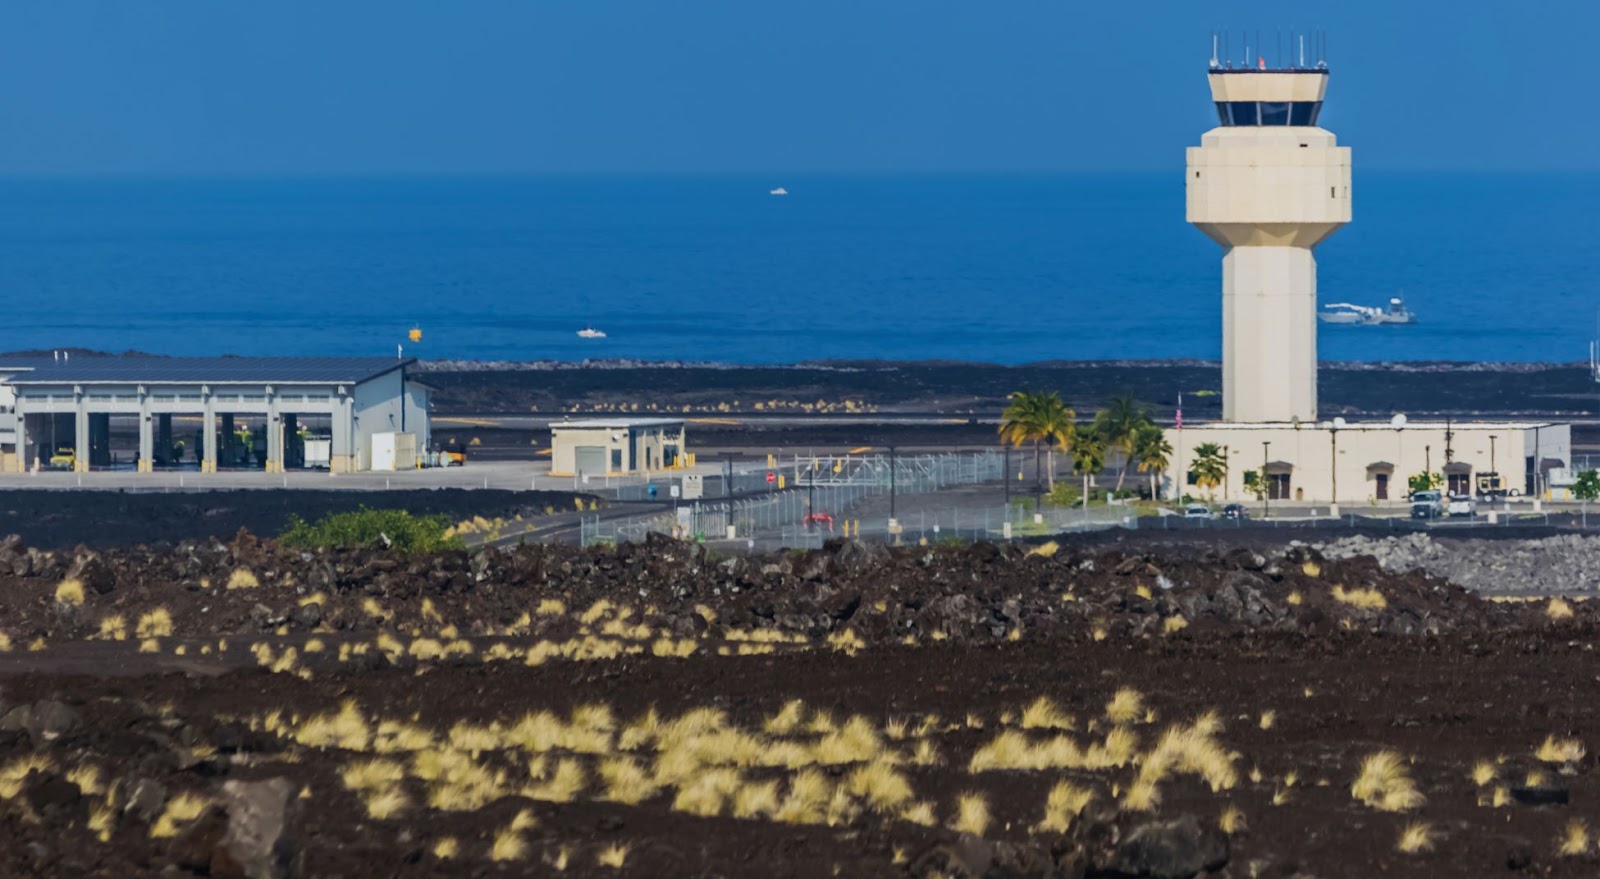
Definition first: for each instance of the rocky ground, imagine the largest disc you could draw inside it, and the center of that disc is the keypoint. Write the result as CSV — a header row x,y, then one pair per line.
x,y
1116,710
1558,564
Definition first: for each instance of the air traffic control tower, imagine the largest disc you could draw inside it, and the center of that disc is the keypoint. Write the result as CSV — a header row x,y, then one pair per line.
x,y
1268,185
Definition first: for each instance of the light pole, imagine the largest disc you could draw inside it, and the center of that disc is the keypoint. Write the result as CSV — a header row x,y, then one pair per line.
x,y
1266,486
892,469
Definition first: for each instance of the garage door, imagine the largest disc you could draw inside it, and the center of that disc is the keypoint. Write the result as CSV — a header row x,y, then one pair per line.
x,y
590,460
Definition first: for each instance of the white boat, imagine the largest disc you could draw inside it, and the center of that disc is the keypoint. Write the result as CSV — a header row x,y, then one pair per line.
x,y
591,333
779,191
1348,313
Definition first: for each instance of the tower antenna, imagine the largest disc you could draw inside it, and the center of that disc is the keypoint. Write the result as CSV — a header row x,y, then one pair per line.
x,y
1302,50
1214,50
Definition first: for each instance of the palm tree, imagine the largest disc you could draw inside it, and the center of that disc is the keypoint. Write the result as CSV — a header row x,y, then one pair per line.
x,y
1039,418
1154,454
1210,466
1119,424
1088,457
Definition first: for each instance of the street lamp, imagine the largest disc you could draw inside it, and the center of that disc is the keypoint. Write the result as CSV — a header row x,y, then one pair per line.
x,y
1266,487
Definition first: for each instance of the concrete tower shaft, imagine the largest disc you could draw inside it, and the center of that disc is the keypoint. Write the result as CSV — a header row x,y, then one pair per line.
x,y
1268,185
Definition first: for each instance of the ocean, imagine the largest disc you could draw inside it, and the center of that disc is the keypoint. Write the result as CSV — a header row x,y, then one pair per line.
x,y
1007,269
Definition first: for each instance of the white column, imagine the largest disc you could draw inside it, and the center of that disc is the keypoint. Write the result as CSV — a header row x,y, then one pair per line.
x,y
147,444
1269,334
80,430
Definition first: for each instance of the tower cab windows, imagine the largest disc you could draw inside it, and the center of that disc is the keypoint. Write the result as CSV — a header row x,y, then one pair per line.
x,y
1242,113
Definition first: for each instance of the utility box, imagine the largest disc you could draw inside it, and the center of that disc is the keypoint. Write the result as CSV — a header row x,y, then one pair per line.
x,y
694,486
319,453
394,451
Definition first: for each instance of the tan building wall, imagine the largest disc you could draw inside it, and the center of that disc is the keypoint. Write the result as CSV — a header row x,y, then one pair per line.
x,y
1314,457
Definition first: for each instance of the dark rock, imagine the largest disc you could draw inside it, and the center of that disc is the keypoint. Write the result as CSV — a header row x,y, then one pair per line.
x,y
146,799
43,721
1540,796
1180,848
260,842
89,569
50,794
195,846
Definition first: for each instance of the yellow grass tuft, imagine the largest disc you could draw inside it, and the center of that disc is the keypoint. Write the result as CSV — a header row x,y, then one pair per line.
x,y
345,729
70,592
1366,599
846,641
113,628
1268,718
87,777
1483,772
1416,837
1143,591
155,624
1174,624
1295,599
102,820
1042,713
1574,839
1311,569
626,782
372,774
706,794
181,809
1046,550
879,785
242,578
1231,821
550,607
1558,609
1502,797
972,814
1065,802
808,795
1554,750
508,846
385,803
614,856
1384,784
446,848
564,784
1535,778
1125,706
150,645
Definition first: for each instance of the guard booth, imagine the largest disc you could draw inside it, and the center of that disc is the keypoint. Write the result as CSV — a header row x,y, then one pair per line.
x,y
617,447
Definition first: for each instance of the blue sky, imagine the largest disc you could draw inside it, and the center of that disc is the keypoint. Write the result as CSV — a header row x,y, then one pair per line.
x,y
311,87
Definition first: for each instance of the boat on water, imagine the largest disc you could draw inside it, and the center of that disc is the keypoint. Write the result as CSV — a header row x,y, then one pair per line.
x,y
591,333
779,191
1348,313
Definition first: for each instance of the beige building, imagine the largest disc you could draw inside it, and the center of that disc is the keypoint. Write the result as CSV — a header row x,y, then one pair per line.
x,y
1369,462
617,446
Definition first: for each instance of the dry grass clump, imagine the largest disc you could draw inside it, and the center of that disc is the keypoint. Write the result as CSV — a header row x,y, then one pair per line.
x,y
846,641
1065,802
1174,624
13,773
563,784
1268,719
181,809
1554,750
1126,706
972,814
242,578
1416,837
1574,839
508,846
1231,820
386,803
70,592
1043,713
1311,568
756,800
706,794
155,624
807,799
1366,599
1191,749
446,848
1384,784
1046,550
1558,609
879,785
113,628
614,856
345,729
626,781
1483,772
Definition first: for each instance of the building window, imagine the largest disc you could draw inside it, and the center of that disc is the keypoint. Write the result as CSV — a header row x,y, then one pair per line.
x,y
1278,486
1304,112
1274,112
1237,113
616,460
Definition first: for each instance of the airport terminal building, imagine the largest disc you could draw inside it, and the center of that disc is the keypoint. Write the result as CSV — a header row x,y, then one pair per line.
x,y
273,414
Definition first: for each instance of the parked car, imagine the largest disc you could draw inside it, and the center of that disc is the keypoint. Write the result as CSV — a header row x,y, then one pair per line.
x,y
1427,505
1462,505
1198,511
1235,511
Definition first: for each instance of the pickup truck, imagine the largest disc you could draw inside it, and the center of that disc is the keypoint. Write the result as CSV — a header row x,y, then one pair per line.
x,y
1427,505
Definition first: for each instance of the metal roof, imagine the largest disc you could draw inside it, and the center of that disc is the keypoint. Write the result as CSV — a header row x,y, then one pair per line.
x,y
208,370
615,423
